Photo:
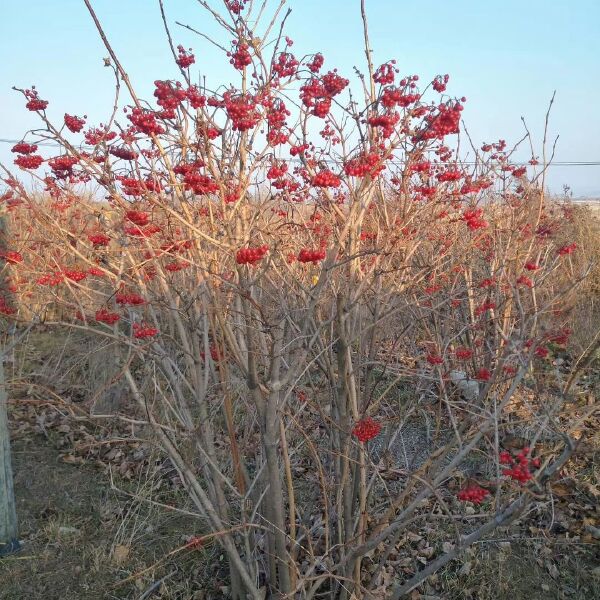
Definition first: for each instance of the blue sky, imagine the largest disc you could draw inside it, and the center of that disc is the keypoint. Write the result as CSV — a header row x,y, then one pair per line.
x,y
507,58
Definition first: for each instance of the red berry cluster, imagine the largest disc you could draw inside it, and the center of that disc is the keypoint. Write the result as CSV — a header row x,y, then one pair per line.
x,y
567,249
145,121
422,166
334,84
561,336
241,57
386,73
285,65
236,6
445,122
33,101
177,246
74,124
317,93
299,149
104,316
277,170
314,66
393,96
75,274
326,178
473,493
200,184
11,256
137,231
96,135
123,152
510,370
365,164
142,331
485,283
136,187
366,429
277,137
314,256
24,148
5,308
387,122
524,280
484,307
29,161
51,279
473,187
440,82
473,217
175,266
463,353
250,256
138,217
434,359
169,96
129,299
185,59
520,466
195,98
449,175
483,374
241,109
62,166
214,353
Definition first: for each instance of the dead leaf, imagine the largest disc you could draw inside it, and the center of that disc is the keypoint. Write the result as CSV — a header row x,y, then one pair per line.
x,y
120,554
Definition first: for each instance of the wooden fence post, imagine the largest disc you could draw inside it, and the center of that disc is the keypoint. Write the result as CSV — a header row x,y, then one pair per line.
x,y
8,514
9,542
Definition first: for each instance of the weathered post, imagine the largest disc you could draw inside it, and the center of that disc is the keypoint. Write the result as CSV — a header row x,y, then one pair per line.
x,y
8,516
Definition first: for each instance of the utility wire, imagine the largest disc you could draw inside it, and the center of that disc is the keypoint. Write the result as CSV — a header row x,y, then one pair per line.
x,y
564,163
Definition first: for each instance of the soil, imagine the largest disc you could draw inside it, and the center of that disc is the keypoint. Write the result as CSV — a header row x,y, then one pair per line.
x,y
80,540
83,540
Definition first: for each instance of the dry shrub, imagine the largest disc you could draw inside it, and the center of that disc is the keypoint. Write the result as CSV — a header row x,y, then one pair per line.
x,y
277,274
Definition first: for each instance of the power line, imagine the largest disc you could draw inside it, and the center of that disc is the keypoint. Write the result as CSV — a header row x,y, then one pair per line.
x,y
564,163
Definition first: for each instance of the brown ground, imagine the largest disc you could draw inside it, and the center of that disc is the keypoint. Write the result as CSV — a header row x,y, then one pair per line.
x,y
82,540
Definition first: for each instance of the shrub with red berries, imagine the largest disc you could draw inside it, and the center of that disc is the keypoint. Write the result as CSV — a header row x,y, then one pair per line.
x,y
274,230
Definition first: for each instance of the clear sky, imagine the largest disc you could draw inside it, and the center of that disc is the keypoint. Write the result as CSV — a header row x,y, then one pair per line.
x,y
506,57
